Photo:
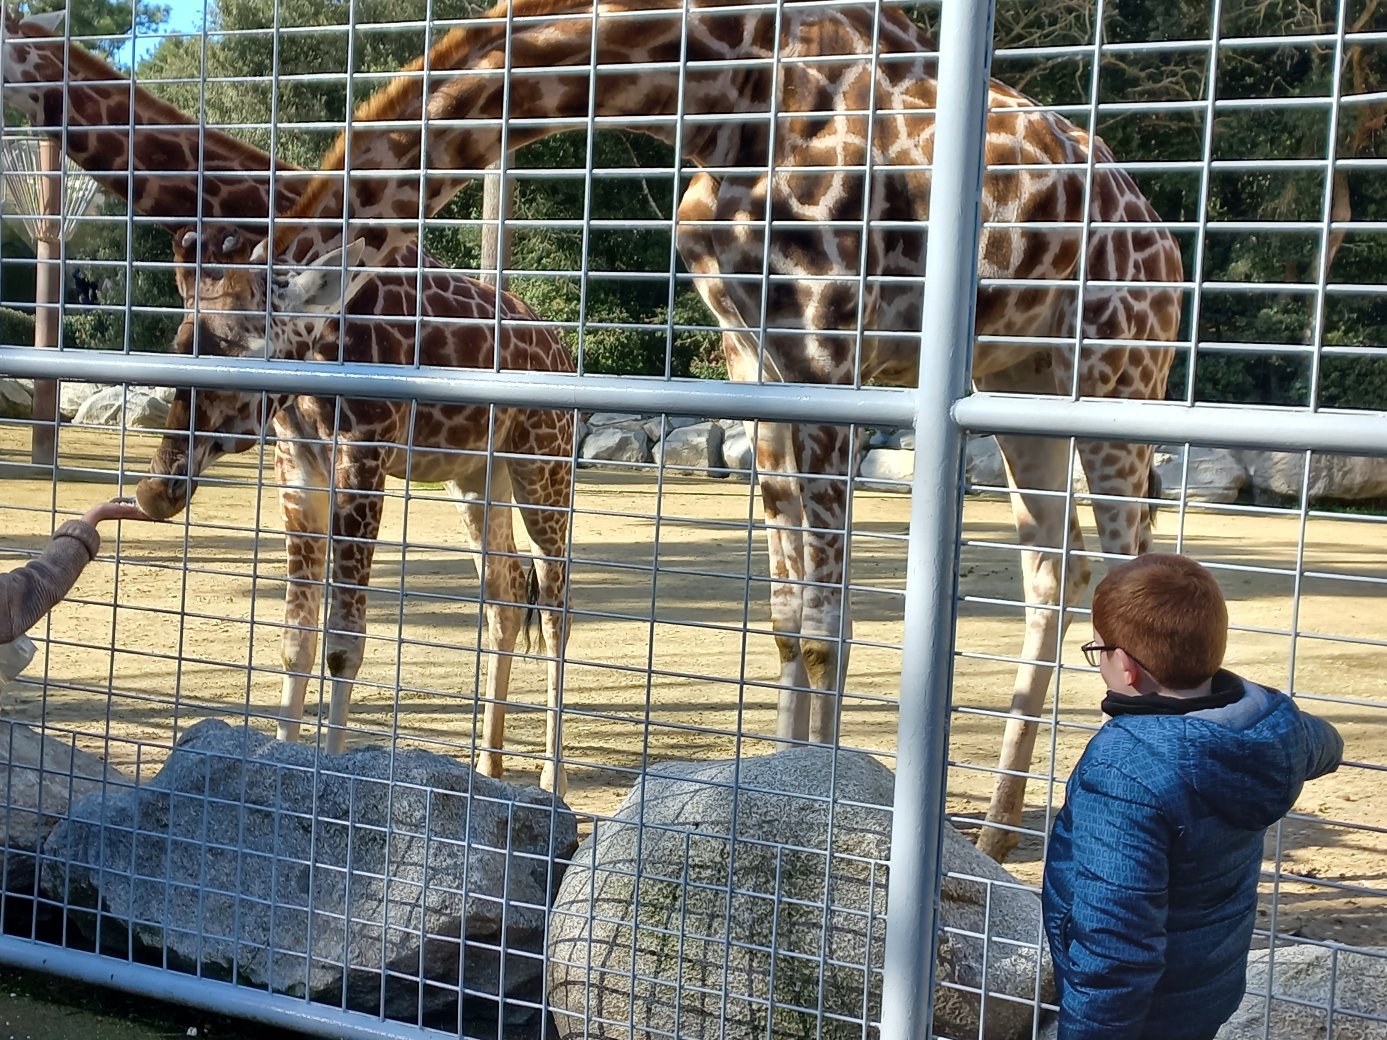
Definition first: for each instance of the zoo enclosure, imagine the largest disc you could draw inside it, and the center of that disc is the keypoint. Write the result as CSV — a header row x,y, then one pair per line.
x,y
939,412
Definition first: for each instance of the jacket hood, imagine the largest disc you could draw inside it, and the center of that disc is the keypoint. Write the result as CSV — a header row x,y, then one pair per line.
x,y
1248,760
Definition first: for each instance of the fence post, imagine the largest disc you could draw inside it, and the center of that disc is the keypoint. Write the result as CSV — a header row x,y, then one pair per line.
x,y
48,280
946,339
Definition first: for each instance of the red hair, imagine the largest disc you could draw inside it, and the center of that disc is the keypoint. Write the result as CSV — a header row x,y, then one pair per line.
x,y
1167,612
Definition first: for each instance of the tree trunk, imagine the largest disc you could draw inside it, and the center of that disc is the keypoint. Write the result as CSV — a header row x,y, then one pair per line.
x,y
48,280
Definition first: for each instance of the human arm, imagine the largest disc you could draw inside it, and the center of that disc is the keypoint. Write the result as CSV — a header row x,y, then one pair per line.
x,y
1115,936
28,593
1324,745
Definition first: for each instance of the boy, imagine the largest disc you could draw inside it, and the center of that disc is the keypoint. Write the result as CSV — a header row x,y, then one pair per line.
x,y
1150,888
28,593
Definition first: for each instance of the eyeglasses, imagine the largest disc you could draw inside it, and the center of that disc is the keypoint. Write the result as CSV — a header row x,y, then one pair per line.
x,y
1093,655
1093,652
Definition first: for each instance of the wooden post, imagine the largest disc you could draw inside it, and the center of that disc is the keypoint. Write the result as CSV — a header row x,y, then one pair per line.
x,y
498,193
48,279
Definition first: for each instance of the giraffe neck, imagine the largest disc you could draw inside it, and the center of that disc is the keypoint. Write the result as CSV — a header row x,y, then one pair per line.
x,y
641,52
121,133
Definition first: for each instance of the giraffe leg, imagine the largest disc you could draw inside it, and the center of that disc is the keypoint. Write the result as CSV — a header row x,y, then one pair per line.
x,y
488,526
1119,469
356,517
543,487
780,498
826,623
303,503
1043,522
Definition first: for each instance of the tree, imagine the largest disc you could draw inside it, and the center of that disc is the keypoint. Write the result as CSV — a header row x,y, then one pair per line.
x,y
116,19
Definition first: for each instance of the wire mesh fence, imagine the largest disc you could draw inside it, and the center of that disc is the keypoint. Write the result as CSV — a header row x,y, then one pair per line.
x,y
617,490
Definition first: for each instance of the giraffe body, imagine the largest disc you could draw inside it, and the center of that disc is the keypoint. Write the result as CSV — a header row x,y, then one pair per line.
x,y
331,456
827,129
837,104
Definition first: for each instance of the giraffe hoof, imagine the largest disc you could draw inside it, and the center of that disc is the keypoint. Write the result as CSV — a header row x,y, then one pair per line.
x,y
997,844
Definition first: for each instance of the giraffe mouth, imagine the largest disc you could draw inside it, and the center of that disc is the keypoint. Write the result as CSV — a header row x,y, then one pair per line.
x,y
163,495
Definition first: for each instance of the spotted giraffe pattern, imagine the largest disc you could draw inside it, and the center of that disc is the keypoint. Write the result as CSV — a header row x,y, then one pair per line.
x,y
1102,331
836,305
331,458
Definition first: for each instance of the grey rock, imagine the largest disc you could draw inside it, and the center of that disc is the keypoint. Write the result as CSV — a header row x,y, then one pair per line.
x,y
616,444
1302,994
15,656
597,419
71,397
889,469
737,451
659,426
116,406
43,771
888,438
983,460
243,847
16,399
1331,476
643,924
697,447
1214,475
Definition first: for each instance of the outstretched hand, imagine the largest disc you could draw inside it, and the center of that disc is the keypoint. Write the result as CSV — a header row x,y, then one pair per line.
x,y
118,509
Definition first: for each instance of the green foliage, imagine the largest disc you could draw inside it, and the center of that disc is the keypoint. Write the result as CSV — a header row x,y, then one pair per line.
x,y
110,18
618,323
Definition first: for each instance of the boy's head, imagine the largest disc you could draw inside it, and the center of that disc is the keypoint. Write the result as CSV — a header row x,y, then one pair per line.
x,y
1168,613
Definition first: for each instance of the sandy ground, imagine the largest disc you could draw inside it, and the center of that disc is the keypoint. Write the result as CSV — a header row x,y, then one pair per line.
x,y
683,685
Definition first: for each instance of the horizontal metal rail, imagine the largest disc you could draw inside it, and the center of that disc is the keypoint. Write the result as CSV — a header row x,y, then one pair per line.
x,y
1157,422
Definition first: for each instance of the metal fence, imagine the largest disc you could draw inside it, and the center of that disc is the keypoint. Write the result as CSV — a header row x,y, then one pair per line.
x,y
725,575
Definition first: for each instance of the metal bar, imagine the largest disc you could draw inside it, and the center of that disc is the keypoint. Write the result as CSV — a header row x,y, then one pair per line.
x,y
965,38
1270,429
791,402
218,997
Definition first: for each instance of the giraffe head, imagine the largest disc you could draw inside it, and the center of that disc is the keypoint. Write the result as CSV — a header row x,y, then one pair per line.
x,y
234,310
29,55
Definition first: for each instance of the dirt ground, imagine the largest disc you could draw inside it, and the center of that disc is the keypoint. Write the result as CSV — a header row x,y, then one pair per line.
x,y
665,583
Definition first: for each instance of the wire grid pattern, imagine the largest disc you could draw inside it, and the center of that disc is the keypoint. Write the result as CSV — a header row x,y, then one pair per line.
x,y
671,655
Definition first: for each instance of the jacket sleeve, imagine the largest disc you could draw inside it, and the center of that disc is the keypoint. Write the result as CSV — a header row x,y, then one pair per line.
x,y
1114,940
1324,744
29,592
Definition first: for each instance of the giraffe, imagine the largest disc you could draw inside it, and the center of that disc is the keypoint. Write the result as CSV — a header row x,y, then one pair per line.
x,y
101,113
1097,321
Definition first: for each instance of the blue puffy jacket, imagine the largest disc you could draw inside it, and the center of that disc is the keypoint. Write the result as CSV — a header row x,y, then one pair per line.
x,y
1150,886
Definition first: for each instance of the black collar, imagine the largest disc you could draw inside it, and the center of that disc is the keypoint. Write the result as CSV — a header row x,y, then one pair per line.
x,y
1226,689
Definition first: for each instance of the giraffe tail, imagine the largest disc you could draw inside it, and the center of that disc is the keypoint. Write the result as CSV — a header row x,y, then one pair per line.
x,y
1153,494
531,600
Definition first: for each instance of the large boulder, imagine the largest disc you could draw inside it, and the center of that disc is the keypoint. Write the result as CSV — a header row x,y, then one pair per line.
x,y
666,925
983,463
16,399
1214,475
43,773
118,406
738,453
1281,473
660,425
72,395
616,444
264,862
888,469
697,447
1307,981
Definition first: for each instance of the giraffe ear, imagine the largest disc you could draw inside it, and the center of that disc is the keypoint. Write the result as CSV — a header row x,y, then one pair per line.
x,y
320,290
50,22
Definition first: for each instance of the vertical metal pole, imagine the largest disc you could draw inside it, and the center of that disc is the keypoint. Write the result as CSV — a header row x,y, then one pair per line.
x,y
946,341
47,286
